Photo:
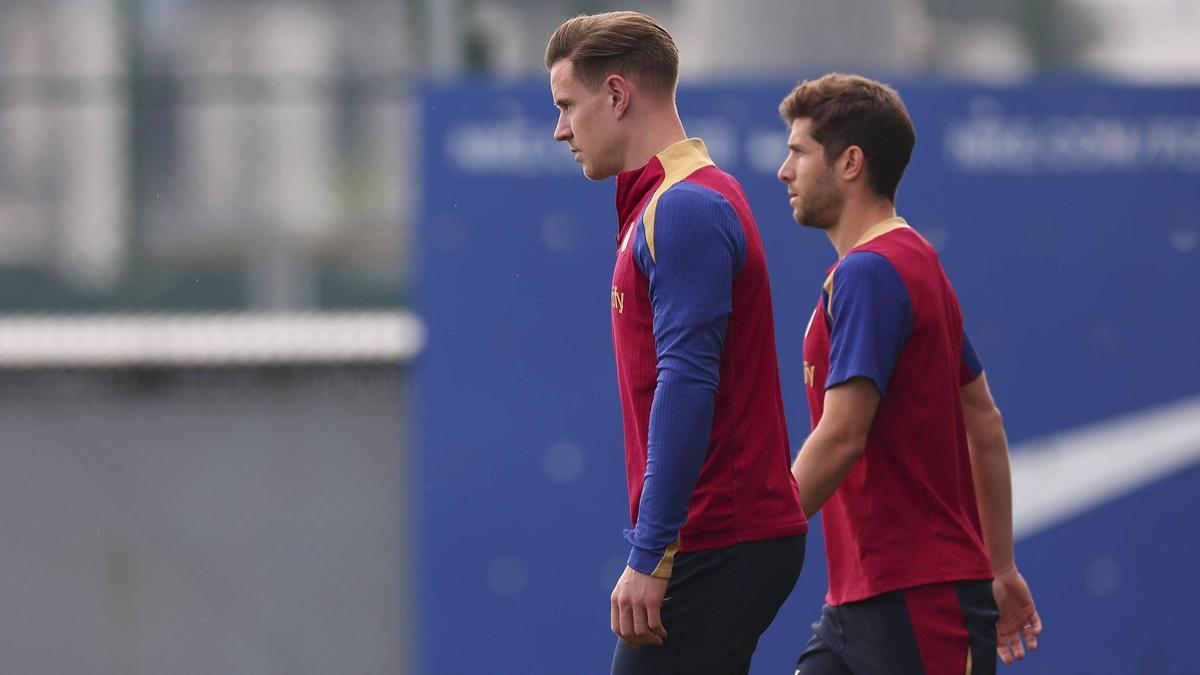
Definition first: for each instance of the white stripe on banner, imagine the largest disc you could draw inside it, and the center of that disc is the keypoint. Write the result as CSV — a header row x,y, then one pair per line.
x,y
1058,477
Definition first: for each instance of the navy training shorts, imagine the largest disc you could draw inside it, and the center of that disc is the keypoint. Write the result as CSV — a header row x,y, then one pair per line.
x,y
719,601
936,629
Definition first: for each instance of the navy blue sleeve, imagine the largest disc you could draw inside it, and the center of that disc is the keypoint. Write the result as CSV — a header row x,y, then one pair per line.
x,y
871,318
972,367
698,249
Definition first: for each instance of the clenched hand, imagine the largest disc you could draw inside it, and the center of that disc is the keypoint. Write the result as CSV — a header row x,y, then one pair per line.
x,y
636,608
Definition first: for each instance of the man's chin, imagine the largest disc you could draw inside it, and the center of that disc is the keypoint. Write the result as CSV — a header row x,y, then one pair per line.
x,y
811,223
596,173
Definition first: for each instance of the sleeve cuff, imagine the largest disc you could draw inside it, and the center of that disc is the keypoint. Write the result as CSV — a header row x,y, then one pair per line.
x,y
655,564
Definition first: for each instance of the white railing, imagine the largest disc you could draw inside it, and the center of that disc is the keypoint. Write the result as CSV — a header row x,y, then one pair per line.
x,y
209,339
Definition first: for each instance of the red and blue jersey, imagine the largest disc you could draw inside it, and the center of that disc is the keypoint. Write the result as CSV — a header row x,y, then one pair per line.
x,y
905,515
706,450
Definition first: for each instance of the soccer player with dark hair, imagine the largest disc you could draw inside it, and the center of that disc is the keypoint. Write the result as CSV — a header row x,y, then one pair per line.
x,y
907,460
718,533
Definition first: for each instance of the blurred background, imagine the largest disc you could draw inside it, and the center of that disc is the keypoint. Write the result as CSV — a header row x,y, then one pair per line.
x,y
304,351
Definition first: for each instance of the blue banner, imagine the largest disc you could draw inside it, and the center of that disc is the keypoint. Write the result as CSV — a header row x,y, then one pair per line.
x,y
1067,218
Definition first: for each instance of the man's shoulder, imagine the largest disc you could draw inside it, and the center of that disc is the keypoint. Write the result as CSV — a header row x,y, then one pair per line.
x,y
688,192
864,264
909,253
704,193
690,202
899,244
719,181
690,217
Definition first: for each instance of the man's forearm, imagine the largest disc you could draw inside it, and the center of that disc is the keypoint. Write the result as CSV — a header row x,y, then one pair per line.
x,y
993,490
680,425
836,443
822,464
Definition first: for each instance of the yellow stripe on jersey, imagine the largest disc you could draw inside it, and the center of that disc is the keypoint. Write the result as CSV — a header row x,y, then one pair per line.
x,y
667,564
679,161
829,294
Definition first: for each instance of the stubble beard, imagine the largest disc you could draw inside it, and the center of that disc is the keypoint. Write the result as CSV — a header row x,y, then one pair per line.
x,y
821,206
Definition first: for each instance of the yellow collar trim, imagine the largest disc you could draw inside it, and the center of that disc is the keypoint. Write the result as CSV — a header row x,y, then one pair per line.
x,y
687,151
881,228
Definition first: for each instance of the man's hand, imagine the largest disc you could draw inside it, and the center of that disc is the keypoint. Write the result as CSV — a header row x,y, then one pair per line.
x,y
1018,616
636,604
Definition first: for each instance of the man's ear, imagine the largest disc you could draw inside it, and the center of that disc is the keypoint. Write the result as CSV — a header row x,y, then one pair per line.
x,y
852,165
618,90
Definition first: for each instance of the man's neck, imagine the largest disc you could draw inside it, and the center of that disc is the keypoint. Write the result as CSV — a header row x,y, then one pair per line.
x,y
658,132
857,218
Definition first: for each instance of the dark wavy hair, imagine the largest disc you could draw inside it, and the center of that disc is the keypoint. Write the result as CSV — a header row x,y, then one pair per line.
x,y
851,110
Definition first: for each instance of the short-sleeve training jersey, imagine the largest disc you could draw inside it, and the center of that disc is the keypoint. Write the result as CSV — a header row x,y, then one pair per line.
x,y
905,515
706,449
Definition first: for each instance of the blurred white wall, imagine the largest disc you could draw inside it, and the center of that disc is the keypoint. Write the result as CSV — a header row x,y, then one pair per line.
x,y
1147,40
62,176
794,37
261,172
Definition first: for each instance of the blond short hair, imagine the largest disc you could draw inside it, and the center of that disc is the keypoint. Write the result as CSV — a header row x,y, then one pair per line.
x,y
630,44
